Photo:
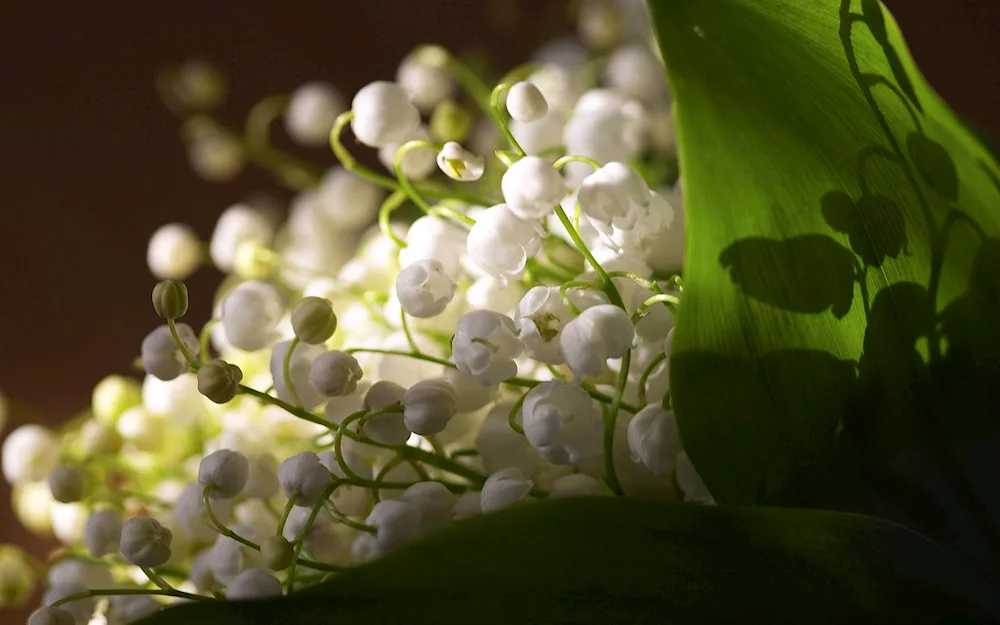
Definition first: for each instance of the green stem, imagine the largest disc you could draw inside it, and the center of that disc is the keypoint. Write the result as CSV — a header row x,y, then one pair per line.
x,y
287,511
670,301
286,372
512,415
260,117
609,286
204,338
115,592
611,476
645,376
575,158
391,203
156,579
495,98
406,331
181,346
404,180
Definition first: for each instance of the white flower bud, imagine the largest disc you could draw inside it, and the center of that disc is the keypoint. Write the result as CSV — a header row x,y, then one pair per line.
x,y
29,454
253,584
304,474
145,542
422,75
431,237
491,293
383,114
562,423
228,558
312,111
161,356
51,616
417,163
345,200
174,252
576,485
201,573
262,479
237,225
424,289
389,428
539,319
500,243
470,394
300,370
67,483
540,135
72,572
102,533
690,481
428,406
614,195
216,157
605,127
503,489
460,164
467,505
225,471
250,315
653,439
80,609
191,518
364,548
170,299
485,346
396,523
635,72
335,374
532,188
597,334
500,446
525,102
435,502
128,609
349,500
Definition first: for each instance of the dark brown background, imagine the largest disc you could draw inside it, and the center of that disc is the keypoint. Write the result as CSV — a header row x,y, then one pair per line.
x,y
91,163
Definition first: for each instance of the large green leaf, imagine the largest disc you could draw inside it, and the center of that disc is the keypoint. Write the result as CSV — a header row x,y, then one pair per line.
x,y
625,561
839,342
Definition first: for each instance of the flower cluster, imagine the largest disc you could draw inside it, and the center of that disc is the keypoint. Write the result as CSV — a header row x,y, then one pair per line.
x,y
359,386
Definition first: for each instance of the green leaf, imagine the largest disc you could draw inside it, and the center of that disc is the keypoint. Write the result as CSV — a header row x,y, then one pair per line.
x,y
820,170
625,561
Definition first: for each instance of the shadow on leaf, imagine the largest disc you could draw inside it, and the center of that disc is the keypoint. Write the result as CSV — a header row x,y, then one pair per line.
x,y
818,272
874,224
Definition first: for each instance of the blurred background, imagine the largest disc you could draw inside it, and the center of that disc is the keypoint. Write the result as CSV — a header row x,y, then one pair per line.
x,y
92,162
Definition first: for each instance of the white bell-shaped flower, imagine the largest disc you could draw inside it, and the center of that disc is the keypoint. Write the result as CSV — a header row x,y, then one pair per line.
x,y
422,75
72,572
470,395
597,334
239,224
468,505
299,370
576,485
190,516
428,406
383,114
652,222
500,243
490,293
225,471
500,446
345,201
653,439
174,252
605,127
389,428
81,610
262,478
102,533
312,111
485,346
29,454
417,163
49,615
562,423
396,523
431,237
253,584
145,542
460,164
614,195
228,557
540,318
435,502
532,188
128,609
424,289
690,481
304,475
635,72
251,313
525,102
335,373
542,134
503,489
162,358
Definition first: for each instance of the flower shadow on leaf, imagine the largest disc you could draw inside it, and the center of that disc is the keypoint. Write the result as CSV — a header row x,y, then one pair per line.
x,y
818,272
874,224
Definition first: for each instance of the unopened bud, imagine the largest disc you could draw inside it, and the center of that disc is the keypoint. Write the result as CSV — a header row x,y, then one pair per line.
x,y
276,553
313,320
67,484
170,299
450,122
219,380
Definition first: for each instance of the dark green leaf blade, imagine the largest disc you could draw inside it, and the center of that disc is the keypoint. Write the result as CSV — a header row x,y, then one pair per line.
x,y
610,560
